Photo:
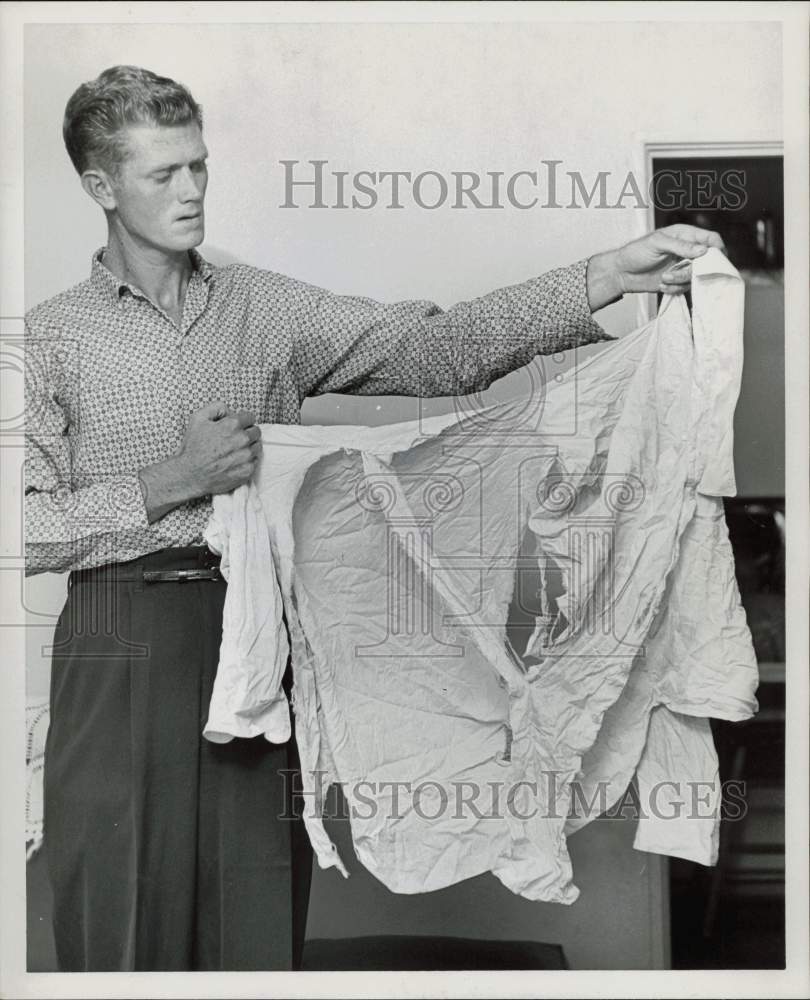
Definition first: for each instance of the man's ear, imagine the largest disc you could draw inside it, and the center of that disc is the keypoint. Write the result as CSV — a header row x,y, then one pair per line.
x,y
98,184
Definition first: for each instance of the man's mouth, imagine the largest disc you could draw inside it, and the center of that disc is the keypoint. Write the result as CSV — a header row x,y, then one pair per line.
x,y
187,218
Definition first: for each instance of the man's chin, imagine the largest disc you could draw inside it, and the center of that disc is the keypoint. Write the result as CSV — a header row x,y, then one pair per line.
x,y
188,242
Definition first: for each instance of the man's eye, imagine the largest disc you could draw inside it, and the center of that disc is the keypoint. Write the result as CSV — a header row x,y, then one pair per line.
x,y
162,178
200,167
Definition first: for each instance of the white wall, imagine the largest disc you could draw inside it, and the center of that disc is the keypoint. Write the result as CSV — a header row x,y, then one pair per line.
x,y
393,97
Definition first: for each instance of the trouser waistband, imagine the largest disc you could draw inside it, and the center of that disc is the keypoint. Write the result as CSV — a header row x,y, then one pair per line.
x,y
180,564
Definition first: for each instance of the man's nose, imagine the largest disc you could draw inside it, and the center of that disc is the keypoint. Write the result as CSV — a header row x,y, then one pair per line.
x,y
190,187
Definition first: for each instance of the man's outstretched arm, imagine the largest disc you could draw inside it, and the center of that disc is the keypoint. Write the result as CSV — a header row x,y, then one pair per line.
x,y
351,344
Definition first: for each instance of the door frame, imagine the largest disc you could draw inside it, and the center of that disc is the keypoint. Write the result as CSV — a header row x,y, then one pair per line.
x,y
648,149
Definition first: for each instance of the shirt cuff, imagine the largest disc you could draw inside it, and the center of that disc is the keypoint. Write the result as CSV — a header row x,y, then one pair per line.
x,y
587,330
129,503
272,722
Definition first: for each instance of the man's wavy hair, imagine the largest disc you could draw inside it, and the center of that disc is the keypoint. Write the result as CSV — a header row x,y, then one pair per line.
x,y
98,113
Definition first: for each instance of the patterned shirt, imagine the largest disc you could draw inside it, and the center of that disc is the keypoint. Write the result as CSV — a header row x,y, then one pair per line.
x,y
111,381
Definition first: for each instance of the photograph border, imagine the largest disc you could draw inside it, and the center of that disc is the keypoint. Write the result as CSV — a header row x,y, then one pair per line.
x,y
795,980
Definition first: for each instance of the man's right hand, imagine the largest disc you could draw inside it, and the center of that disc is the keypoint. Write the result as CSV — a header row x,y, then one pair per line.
x,y
219,452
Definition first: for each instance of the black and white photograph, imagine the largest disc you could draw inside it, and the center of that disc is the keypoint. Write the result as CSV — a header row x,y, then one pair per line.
x,y
404,442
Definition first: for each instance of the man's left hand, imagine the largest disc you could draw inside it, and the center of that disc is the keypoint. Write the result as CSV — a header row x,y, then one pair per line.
x,y
658,262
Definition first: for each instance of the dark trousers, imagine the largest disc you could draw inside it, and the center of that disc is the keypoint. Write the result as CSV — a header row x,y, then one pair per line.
x,y
165,851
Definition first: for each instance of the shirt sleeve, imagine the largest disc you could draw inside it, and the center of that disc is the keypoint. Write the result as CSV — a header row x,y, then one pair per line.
x,y
248,696
66,527
356,345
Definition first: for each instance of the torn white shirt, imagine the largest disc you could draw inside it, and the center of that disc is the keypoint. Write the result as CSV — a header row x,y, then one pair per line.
x,y
395,551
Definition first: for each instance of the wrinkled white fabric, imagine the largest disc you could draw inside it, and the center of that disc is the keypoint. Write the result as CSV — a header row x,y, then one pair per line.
x,y
396,551
248,699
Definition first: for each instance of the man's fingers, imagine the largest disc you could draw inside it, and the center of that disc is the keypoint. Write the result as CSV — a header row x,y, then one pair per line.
x,y
680,248
213,411
694,234
244,418
218,410
249,440
678,274
677,279
247,455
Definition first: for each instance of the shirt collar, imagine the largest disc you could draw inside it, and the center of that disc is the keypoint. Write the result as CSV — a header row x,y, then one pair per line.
x,y
113,286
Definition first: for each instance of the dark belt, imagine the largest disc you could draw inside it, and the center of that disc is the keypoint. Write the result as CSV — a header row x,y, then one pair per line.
x,y
174,565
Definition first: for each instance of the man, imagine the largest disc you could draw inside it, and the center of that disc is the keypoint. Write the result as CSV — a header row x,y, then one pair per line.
x,y
145,386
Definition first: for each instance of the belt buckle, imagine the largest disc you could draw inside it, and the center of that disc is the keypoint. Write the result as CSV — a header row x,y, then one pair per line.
x,y
181,575
186,575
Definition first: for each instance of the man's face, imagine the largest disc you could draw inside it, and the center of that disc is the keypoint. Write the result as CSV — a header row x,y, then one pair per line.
x,y
160,187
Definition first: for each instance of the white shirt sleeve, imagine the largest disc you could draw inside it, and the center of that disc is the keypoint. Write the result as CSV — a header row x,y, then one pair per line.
x,y
248,698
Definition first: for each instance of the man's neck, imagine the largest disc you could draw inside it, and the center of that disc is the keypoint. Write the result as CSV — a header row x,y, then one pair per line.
x,y
163,277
